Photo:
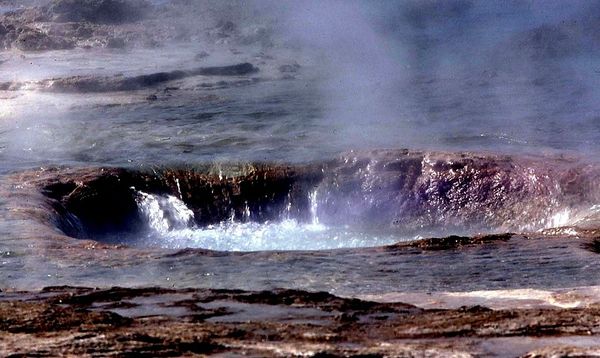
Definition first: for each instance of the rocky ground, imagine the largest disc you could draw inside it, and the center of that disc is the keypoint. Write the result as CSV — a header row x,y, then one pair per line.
x,y
118,24
86,84
152,322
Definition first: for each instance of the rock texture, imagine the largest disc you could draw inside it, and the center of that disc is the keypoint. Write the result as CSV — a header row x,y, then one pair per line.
x,y
164,322
87,84
61,24
410,192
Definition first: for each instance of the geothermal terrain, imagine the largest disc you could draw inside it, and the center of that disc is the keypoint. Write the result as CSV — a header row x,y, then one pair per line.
x,y
267,178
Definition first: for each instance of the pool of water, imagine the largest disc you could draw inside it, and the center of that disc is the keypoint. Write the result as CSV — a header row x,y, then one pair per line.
x,y
478,79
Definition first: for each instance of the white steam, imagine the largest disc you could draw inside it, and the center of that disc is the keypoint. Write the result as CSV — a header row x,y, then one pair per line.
x,y
360,69
456,74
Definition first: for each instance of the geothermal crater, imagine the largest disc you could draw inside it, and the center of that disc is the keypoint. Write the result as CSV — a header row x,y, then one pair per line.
x,y
393,195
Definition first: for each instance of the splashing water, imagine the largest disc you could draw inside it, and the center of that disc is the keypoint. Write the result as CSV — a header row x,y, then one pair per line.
x,y
561,218
171,225
312,199
164,214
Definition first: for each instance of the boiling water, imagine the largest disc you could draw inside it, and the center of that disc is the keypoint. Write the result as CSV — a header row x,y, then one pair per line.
x,y
461,75
171,225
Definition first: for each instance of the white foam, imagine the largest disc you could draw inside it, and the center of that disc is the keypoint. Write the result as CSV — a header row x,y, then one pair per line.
x,y
164,213
170,224
559,219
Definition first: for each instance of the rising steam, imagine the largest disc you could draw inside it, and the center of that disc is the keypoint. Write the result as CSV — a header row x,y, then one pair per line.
x,y
500,76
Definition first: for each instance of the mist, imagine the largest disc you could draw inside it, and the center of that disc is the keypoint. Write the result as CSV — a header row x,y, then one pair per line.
x,y
516,76
509,76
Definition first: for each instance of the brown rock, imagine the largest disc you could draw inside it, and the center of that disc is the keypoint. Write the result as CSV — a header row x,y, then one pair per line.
x,y
162,322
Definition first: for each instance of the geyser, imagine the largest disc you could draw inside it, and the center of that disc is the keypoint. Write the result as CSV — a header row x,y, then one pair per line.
x,y
358,199
171,225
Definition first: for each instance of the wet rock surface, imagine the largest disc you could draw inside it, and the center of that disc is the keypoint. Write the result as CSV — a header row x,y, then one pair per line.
x,y
164,322
61,24
453,242
455,190
105,199
72,216
161,321
87,84
411,192
32,40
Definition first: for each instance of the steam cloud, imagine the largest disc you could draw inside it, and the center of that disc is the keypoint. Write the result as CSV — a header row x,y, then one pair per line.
x,y
474,74
457,74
